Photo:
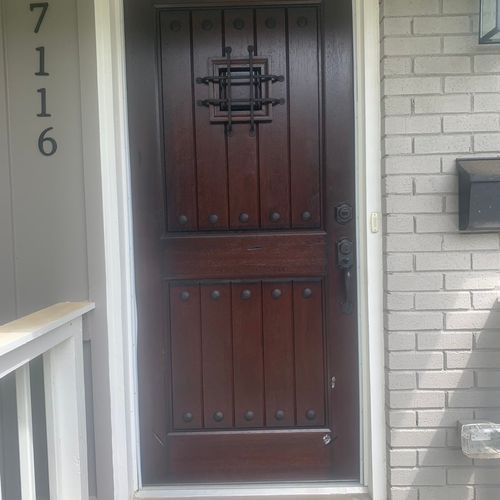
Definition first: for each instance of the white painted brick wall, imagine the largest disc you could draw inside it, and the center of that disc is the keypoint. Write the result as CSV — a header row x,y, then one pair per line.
x,y
438,25
441,101
401,418
484,102
459,103
447,493
431,341
402,380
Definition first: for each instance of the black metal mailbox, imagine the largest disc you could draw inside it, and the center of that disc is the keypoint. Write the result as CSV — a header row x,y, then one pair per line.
x,y
479,194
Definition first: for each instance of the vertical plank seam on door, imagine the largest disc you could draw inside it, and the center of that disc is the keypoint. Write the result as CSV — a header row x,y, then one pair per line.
x,y
321,114
224,129
162,126
193,113
229,291
264,403
287,51
202,389
264,378
293,353
231,316
319,173
326,372
257,172
257,133
170,350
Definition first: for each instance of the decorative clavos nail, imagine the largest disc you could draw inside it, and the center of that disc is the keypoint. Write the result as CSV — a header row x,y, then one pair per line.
x,y
310,414
238,24
182,220
187,417
185,296
213,219
306,216
307,293
270,23
175,25
279,415
218,416
302,22
244,217
275,217
207,25
215,295
249,415
246,294
276,293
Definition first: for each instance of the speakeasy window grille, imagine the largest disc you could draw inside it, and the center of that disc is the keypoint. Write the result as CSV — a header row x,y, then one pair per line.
x,y
240,90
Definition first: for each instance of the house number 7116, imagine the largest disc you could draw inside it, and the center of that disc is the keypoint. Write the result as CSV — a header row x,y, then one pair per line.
x,y
46,145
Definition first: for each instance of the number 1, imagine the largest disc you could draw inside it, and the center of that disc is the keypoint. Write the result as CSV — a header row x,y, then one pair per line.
x,y
41,62
44,6
43,96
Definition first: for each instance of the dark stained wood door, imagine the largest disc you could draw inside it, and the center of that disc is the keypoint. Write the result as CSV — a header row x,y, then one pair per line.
x,y
245,241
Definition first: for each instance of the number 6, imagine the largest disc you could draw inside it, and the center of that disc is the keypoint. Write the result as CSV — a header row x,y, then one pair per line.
x,y
47,141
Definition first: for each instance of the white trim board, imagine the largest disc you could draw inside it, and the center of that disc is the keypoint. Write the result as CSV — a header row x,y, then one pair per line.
x,y
370,251
257,492
118,248
120,301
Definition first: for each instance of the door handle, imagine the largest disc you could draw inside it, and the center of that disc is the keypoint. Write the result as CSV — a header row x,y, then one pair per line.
x,y
345,261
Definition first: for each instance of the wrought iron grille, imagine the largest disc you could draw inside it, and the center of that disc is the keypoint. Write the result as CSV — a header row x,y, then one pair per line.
x,y
233,76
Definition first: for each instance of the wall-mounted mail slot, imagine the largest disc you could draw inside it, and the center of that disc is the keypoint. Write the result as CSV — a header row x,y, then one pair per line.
x,y
479,194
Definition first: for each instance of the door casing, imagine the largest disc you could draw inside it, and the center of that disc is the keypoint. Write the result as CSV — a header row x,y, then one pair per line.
x,y
120,301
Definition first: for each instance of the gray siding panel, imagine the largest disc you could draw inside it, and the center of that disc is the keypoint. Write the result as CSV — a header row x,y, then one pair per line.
x,y
7,274
47,192
51,238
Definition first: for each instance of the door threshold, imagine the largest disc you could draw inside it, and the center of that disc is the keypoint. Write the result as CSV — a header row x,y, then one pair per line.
x,y
301,491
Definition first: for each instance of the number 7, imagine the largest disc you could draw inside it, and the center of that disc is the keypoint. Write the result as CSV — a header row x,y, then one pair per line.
x,y
42,5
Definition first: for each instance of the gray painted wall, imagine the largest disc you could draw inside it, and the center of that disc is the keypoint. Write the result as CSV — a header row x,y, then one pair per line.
x,y
51,229
7,280
46,227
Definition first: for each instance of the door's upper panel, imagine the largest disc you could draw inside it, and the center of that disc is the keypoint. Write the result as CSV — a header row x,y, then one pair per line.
x,y
242,122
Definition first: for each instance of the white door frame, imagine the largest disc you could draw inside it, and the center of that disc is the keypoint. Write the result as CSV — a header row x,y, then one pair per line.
x,y
120,299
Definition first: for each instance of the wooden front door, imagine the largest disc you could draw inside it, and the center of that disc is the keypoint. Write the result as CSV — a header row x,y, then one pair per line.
x,y
254,375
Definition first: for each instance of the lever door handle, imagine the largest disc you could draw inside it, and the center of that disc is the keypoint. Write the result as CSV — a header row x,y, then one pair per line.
x,y
347,304
345,261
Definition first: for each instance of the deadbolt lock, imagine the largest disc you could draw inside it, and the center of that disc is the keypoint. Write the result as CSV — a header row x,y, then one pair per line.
x,y
343,213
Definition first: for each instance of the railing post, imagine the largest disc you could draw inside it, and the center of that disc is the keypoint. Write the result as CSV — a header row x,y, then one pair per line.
x,y
65,407
25,433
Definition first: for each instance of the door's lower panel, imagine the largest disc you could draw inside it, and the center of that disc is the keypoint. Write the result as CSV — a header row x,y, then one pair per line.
x,y
225,456
247,354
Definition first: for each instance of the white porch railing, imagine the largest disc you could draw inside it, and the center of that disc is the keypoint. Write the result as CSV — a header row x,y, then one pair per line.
x,y
55,333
